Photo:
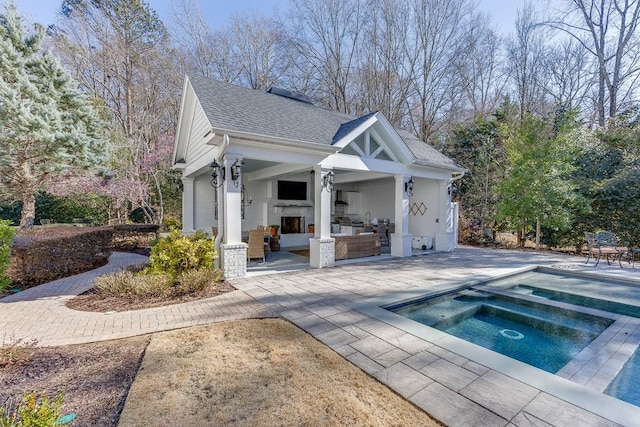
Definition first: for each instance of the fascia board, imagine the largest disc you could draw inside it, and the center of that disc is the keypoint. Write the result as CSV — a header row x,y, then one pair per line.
x,y
397,139
247,137
183,102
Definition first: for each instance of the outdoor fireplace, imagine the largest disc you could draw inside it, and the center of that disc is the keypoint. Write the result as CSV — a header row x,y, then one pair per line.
x,y
291,224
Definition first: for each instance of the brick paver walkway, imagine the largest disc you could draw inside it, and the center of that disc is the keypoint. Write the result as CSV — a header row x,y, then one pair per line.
x,y
40,313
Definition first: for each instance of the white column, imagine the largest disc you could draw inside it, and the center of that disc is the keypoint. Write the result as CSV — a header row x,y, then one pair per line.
x,y
322,206
445,237
401,239
321,246
232,201
188,201
233,251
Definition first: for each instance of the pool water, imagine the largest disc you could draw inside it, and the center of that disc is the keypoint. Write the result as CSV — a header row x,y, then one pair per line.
x,y
581,300
510,326
626,385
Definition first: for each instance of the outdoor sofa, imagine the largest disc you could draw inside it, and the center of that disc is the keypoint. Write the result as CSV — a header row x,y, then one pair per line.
x,y
362,245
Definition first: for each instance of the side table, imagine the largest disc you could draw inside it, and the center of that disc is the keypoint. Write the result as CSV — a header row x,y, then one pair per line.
x,y
274,243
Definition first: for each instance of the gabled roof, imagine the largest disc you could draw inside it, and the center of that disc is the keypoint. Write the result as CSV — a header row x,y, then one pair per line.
x,y
425,154
240,109
255,112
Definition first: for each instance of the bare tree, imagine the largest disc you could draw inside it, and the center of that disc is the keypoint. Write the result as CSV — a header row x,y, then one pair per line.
x,y
569,80
525,56
480,69
261,50
204,51
608,31
384,77
327,35
436,39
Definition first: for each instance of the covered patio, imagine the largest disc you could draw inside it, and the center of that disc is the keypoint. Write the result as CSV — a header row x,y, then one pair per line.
x,y
328,181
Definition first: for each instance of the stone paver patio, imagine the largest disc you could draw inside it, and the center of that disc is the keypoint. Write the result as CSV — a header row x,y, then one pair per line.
x,y
454,389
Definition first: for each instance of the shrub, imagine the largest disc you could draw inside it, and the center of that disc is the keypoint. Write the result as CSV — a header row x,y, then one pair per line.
x,y
6,238
127,283
170,223
193,281
34,411
46,254
177,253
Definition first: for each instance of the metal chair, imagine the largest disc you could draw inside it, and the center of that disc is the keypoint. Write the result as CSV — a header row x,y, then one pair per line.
x,y
604,243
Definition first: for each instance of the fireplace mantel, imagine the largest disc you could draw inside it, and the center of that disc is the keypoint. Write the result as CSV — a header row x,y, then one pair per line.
x,y
293,205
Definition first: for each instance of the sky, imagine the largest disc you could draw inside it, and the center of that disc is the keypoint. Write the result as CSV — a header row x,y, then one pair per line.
x,y
218,12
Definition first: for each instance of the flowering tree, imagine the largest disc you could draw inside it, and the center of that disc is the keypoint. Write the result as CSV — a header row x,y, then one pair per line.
x,y
48,128
126,182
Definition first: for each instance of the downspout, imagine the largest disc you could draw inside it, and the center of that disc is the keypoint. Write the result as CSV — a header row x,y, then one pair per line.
x,y
219,237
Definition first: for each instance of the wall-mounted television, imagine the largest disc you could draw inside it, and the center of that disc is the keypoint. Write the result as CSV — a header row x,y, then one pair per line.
x,y
292,190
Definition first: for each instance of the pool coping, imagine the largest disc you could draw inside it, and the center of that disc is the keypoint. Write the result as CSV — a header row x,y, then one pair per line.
x,y
598,403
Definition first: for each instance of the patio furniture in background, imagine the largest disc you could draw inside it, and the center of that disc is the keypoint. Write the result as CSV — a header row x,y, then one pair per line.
x,y
605,243
257,246
362,245
632,254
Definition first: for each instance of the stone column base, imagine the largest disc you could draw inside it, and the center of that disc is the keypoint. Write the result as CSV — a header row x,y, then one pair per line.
x,y
401,245
234,260
322,253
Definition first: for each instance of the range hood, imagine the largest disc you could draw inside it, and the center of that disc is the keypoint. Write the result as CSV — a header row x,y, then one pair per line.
x,y
339,201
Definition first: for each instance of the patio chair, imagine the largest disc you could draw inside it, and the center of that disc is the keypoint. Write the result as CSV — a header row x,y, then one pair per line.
x,y
257,246
604,243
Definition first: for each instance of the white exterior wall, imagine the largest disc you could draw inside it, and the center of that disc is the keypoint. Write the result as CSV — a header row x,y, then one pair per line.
x,y
425,191
377,197
204,216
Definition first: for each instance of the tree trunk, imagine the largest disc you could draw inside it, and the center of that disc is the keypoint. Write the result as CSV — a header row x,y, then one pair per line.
x,y
28,211
537,233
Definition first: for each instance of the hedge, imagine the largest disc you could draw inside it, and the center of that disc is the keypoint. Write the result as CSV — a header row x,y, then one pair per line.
x,y
127,237
43,255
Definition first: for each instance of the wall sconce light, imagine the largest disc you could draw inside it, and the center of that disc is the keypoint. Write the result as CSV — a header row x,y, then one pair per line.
x,y
408,187
327,181
236,171
218,172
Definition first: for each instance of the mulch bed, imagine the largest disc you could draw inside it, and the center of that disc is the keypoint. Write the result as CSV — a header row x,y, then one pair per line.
x,y
95,378
91,301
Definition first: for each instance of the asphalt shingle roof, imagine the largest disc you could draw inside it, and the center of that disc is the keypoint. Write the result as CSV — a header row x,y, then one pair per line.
x,y
240,109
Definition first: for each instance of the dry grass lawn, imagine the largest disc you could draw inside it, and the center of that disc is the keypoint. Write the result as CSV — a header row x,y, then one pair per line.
x,y
257,373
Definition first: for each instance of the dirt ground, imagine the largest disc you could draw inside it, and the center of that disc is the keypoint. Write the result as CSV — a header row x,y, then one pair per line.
x,y
257,373
247,373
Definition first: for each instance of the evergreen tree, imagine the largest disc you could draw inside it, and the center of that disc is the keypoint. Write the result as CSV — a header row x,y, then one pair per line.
x,y
48,128
536,189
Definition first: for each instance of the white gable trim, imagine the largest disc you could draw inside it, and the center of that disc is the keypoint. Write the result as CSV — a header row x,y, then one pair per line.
x,y
398,152
345,140
179,152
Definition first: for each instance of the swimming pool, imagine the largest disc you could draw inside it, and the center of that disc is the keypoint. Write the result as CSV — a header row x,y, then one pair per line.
x,y
510,326
591,328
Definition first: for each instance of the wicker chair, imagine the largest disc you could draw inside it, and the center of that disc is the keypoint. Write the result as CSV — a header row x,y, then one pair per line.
x,y
257,246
